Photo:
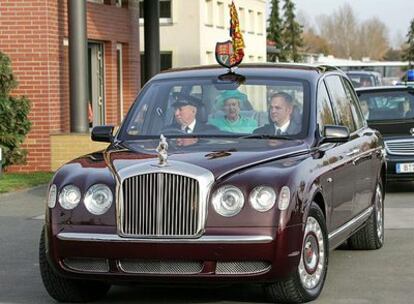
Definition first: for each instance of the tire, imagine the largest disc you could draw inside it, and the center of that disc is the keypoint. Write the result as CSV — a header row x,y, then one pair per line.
x,y
371,236
67,290
299,287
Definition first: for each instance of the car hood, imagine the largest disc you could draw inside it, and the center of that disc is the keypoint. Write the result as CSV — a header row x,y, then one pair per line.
x,y
220,156
393,128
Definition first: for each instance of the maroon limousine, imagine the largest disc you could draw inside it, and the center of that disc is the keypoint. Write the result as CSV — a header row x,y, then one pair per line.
x,y
219,176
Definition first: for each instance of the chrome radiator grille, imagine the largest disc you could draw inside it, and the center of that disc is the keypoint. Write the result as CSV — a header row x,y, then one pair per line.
x,y
160,205
400,147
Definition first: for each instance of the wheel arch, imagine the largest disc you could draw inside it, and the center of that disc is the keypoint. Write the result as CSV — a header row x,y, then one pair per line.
x,y
320,201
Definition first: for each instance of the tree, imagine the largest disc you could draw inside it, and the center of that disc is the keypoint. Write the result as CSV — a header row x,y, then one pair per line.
x,y
341,30
373,40
274,31
408,53
313,43
14,123
393,55
292,33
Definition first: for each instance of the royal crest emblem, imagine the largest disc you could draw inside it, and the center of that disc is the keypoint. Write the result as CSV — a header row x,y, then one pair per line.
x,y
224,54
230,53
162,150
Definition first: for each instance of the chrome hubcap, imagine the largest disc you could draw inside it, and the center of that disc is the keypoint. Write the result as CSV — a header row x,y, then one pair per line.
x,y
312,260
379,214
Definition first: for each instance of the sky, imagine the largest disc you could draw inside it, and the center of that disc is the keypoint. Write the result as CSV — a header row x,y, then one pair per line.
x,y
396,14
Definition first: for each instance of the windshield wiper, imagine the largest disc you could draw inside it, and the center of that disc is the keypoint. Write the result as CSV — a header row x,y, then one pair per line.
x,y
264,136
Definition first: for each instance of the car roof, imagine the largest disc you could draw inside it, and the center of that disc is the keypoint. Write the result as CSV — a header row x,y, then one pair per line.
x,y
383,89
363,72
301,71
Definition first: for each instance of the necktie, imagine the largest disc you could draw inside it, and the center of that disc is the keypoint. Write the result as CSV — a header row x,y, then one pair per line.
x,y
187,130
278,131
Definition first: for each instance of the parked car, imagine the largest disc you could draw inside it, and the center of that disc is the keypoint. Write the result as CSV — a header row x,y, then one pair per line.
x,y
365,78
391,111
176,200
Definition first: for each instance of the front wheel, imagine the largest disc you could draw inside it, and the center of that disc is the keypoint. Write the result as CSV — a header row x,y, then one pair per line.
x,y
306,283
67,290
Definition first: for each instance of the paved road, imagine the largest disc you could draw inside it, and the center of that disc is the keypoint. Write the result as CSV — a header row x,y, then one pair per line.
x,y
357,277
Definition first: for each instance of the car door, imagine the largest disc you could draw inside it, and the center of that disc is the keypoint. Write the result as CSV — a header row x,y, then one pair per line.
x,y
363,161
342,155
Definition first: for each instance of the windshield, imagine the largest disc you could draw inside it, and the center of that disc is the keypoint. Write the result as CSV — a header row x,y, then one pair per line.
x,y
213,108
387,105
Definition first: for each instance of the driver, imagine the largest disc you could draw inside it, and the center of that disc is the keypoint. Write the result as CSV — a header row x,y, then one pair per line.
x,y
185,113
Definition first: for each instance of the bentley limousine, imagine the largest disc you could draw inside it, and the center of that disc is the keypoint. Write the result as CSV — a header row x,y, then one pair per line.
x,y
243,176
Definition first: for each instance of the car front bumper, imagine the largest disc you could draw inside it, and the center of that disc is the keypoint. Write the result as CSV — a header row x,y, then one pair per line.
x,y
225,254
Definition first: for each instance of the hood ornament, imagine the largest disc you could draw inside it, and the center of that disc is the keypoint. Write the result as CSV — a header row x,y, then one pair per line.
x,y
412,131
162,150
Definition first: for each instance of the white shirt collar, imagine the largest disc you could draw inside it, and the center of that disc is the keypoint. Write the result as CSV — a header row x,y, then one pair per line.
x,y
191,126
283,128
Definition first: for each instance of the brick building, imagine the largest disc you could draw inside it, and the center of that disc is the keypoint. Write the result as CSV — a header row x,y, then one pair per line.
x,y
34,34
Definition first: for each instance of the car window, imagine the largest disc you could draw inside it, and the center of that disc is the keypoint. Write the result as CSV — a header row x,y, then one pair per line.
x,y
168,107
324,109
356,111
340,102
388,105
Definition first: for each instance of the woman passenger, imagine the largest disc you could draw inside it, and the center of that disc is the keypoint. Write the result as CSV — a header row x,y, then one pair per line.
x,y
230,102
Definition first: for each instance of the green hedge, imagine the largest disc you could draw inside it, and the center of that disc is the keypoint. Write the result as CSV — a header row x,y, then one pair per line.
x,y
14,111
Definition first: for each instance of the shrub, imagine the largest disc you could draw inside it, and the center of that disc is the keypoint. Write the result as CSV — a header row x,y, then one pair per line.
x,y
14,122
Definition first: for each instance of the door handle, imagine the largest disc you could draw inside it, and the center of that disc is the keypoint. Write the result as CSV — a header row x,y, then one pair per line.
x,y
353,152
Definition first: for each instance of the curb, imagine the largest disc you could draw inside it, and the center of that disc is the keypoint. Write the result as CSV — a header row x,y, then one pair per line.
x,y
21,191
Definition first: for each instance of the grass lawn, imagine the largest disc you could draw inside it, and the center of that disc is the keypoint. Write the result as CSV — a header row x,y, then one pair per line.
x,y
16,181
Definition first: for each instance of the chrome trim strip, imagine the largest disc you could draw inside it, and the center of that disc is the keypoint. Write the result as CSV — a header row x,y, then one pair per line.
x,y
219,239
357,220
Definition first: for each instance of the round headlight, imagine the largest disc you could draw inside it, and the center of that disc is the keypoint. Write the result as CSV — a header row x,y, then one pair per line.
x,y
98,199
228,201
262,198
51,200
69,197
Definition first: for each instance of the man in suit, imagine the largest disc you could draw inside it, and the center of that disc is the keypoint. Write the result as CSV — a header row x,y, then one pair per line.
x,y
280,113
185,113
365,109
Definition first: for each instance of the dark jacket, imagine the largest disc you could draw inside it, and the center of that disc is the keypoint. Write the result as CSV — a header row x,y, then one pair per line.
x,y
270,129
199,128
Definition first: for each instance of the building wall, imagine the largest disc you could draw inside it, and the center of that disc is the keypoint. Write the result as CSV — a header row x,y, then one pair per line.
x,y
194,29
34,34
181,34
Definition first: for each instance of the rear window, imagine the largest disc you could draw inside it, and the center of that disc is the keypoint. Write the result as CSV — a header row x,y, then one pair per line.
x,y
387,105
362,80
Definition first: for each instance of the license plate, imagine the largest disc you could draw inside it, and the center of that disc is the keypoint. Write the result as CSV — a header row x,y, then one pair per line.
x,y
405,168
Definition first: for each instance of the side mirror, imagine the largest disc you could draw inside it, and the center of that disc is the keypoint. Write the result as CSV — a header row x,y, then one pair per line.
x,y
102,133
335,134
